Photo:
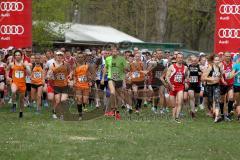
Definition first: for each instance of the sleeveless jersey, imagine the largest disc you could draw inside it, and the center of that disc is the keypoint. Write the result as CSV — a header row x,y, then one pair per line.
x,y
60,75
36,76
177,78
227,69
81,77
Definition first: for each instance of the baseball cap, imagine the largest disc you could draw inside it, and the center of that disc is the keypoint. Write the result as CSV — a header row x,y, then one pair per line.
x,y
87,51
59,53
202,54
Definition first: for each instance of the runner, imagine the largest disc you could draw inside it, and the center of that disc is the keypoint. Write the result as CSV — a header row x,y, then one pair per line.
x,y
137,80
18,86
236,74
115,67
60,71
157,84
194,84
82,78
2,79
212,77
176,78
37,83
226,86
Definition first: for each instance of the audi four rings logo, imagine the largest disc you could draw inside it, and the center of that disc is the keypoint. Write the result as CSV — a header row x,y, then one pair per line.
x,y
12,6
11,29
229,9
229,33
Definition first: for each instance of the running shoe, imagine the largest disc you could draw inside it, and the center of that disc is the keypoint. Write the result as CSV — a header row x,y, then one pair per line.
x,y
14,108
109,114
217,119
10,101
154,110
61,117
177,120
227,118
117,116
201,106
54,116
145,104
45,104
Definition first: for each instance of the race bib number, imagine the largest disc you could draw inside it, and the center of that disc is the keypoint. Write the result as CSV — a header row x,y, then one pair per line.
x,y
193,79
82,78
238,79
178,78
115,76
1,77
216,74
136,75
19,74
98,75
60,76
158,74
37,75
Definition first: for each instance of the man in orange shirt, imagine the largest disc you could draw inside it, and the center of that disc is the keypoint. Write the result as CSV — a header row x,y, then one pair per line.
x,y
19,70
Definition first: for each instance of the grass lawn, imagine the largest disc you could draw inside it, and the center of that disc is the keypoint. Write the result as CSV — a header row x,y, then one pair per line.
x,y
39,137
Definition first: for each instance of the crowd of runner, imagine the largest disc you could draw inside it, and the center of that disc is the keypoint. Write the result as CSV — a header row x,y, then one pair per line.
x,y
126,79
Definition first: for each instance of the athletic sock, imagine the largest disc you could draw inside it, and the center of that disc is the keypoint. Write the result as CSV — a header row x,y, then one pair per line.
x,y
222,108
20,114
44,95
139,103
230,106
201,100
53,111
79,106
1,94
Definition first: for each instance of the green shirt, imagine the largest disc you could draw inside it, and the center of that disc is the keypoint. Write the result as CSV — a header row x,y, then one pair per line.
x,y
116,67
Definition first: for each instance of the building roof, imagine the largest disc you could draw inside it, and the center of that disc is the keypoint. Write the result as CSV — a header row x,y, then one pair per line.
x,y
92,33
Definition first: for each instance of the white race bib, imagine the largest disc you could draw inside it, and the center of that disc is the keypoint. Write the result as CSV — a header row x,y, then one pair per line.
x,y
60,76
193,79
178,77
1,77
82,79
238,79
19,74
136,74
37,75
115,76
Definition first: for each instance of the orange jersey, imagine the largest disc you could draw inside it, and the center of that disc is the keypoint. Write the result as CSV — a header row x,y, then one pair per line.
x,y
18,74
136,72
60,76
37,75
81,77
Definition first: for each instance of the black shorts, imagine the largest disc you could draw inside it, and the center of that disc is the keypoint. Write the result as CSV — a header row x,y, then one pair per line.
x,y
194,87
29,86
236,89
99,85
118,84
60,90
140,85
224,89
35,86
3,81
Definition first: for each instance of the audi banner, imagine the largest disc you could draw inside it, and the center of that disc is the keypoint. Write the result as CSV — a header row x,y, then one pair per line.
x,y
227,32
15,23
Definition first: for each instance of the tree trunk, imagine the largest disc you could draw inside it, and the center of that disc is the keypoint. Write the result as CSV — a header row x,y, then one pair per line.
x,y
161,18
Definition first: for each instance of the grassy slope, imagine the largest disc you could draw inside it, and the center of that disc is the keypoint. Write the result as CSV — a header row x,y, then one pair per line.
x,y
40,137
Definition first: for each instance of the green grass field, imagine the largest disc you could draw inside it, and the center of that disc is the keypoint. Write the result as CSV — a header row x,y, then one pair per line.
x,y
40,137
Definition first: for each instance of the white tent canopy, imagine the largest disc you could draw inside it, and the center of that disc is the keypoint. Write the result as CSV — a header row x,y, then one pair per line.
x,y
95,33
